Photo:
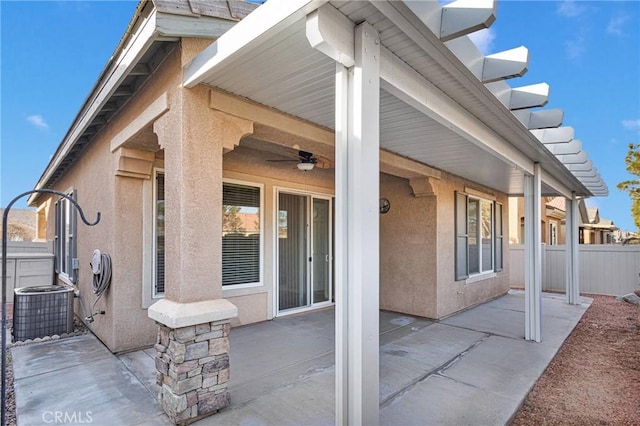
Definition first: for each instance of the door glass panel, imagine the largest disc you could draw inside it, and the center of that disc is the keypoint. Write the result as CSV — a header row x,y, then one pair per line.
x,y
292,251
474,249
321,256
486,233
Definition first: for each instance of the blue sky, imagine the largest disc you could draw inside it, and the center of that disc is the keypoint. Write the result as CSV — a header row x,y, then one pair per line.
x,y
588,52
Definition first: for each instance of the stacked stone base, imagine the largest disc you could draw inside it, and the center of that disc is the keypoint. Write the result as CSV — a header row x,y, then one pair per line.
x,y
193,370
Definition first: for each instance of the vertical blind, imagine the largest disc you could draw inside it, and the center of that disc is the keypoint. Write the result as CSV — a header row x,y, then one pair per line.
x,y
159,243
241,228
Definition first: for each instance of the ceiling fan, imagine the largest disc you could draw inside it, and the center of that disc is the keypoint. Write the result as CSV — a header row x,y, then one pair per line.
x,y
306,161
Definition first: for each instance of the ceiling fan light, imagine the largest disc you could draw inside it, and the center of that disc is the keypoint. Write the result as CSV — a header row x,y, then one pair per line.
x,y
305,167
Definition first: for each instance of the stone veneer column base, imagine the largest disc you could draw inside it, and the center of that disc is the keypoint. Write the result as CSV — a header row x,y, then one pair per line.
x,y
192,359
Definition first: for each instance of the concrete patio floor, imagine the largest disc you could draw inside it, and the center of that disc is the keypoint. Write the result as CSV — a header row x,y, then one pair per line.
x,y
471,368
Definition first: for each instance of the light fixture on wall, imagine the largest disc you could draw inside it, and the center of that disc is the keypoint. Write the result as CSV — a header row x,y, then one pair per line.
x,y
304,166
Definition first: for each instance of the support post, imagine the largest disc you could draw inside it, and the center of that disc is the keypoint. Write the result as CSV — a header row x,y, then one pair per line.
x,y
572,251
533,255
357,216
341,245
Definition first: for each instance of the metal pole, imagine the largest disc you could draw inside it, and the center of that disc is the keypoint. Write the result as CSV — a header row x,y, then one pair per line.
x,y
5,216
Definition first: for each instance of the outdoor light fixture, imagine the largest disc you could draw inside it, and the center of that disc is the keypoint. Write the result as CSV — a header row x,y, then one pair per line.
x,y
305,167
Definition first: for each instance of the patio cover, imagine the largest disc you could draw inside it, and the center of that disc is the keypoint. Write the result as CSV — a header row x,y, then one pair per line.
x,y
381,76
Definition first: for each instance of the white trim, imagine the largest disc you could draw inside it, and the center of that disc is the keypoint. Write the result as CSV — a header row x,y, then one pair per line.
x,y
480,277
262,24
156,109
148,223
260,282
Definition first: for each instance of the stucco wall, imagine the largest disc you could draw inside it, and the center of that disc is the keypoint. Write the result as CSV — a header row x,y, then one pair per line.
x,y
454,295
407,250
125,325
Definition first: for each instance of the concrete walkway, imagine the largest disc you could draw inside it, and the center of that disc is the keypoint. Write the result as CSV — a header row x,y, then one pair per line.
x,y
472,368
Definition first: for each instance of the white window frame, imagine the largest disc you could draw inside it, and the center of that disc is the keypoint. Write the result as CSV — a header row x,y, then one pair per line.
x,y
154,233
496,237
260,282
65,240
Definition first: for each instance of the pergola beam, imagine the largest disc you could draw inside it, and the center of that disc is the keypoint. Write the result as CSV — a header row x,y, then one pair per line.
x,y
463,17
332,33
543,119
507,64
565,148
534,95
560,135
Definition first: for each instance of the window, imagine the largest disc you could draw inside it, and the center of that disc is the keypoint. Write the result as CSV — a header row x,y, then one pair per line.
x,y
553,233
158,235
66,262
241,234
479,236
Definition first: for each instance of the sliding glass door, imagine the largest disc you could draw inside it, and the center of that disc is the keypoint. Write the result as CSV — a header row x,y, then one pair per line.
x,y
304,251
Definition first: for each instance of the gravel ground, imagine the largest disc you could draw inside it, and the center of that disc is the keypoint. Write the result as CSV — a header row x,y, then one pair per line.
x,y
595,377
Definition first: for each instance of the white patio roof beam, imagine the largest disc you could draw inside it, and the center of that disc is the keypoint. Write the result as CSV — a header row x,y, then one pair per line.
x,y
408,85
463,17
542,119
507,64
565,148
259,26
560,135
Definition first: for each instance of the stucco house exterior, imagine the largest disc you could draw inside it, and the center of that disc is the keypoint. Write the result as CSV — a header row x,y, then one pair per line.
x,y
592,228
406,143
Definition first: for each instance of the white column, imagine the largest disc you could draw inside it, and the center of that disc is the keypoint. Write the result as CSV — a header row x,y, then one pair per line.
x,y
341,245
572,251
532,255
357,233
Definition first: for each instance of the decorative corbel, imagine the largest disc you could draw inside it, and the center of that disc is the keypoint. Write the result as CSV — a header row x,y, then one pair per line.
x,y
134,163
423,186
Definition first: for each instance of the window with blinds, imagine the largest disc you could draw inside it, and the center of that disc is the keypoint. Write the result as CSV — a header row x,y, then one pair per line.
x,y
241,234
158,215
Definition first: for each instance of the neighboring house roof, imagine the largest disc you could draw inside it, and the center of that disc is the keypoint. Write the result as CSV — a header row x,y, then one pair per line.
x,y
593,214
21,225
558,203
152,33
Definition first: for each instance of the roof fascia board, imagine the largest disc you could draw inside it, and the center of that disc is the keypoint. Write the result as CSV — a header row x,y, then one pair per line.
x,y
406,84
170,25
265,22
128,57
401,16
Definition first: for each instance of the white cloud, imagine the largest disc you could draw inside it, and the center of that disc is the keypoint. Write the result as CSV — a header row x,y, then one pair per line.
x,y
483,39
570,9
633,124
575,48
616,23
38,121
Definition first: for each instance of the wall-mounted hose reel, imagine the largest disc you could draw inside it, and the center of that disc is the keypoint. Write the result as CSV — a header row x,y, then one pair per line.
x,y
101,268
